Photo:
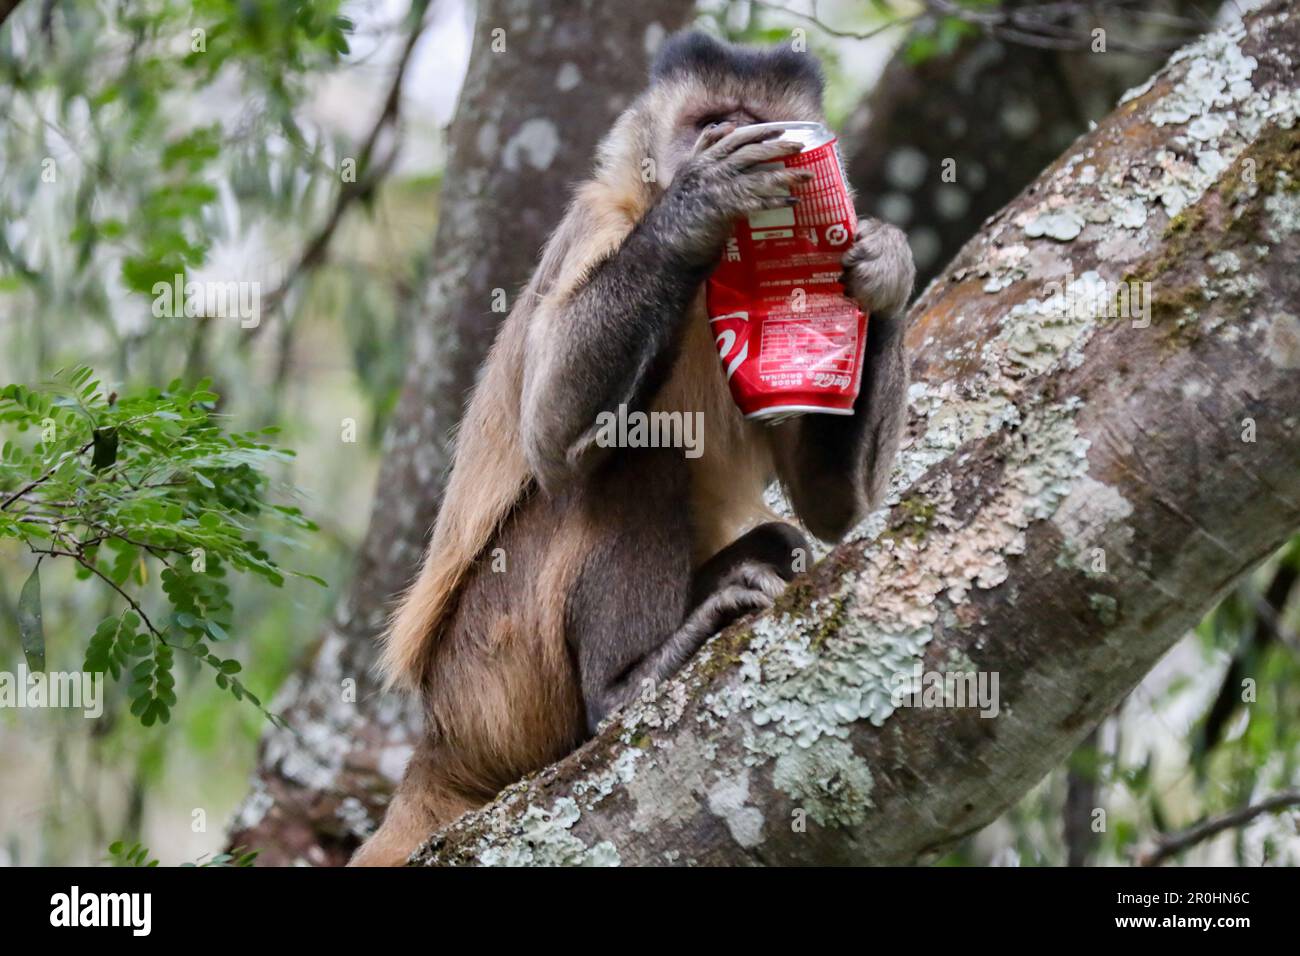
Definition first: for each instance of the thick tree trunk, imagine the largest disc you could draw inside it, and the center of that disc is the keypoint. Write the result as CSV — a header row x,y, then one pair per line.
x,y
1078,488
526,126
939,146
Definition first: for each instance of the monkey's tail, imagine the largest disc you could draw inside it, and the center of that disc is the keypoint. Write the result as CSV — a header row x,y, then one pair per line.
x,y
424,803
410,635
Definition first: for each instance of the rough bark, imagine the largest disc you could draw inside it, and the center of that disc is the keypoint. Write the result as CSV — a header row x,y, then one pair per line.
x,y
525,129
998,113
1077,489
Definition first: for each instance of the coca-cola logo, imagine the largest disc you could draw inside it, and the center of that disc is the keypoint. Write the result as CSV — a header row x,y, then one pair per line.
x,y
726,341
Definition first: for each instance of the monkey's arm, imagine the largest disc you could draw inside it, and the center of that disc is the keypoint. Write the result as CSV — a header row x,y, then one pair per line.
x,y
611,339
835,468
609,343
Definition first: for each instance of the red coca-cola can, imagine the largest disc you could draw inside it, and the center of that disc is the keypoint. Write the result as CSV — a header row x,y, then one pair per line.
x,y
790,340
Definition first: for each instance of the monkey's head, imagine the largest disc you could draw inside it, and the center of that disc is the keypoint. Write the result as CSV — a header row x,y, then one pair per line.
x,y
697,81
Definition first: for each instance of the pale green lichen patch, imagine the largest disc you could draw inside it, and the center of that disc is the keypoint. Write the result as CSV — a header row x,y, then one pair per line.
x,y
954,415
1032,338
729,799
656,708
959,662
541,837
1218,75
1039,332
620,771
828,780
1105,607
1213,98
1223,113
1061,226
1087,515
1283,209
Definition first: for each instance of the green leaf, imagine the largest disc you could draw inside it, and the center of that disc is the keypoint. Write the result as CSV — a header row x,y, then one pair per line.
x,y
31,632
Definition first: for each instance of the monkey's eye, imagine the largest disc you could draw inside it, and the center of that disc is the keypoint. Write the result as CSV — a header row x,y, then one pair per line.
x,y
713,119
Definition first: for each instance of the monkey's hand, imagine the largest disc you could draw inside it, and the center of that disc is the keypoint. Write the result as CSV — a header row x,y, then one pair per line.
x,y
878,269
724,178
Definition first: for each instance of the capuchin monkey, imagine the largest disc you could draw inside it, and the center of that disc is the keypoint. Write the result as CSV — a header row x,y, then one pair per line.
x,y
562,577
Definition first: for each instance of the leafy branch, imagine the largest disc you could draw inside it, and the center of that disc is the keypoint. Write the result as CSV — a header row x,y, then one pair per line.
x,y
148,487
137,855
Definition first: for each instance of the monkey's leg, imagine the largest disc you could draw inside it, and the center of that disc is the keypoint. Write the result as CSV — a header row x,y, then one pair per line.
x,y
423,803
627,643
835,468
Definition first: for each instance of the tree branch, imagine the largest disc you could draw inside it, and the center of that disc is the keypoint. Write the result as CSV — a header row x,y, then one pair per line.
x,y
1175,843
1043,26
368,176
1268,629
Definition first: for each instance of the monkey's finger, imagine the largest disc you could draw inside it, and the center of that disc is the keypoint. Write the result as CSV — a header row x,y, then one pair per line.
x,y
771,202
762,577
741,137
763,152
755,202
736,600
710,137
771,182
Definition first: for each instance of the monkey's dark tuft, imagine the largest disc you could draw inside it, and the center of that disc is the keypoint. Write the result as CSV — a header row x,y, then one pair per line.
x,y
694,53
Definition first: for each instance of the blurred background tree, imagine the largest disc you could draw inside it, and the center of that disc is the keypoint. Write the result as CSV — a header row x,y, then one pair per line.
x,y
300,146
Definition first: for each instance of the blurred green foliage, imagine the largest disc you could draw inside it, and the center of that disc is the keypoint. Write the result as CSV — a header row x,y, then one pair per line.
x,y
136,855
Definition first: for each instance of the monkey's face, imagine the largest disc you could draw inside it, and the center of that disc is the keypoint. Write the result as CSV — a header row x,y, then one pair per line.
x,y
699,82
